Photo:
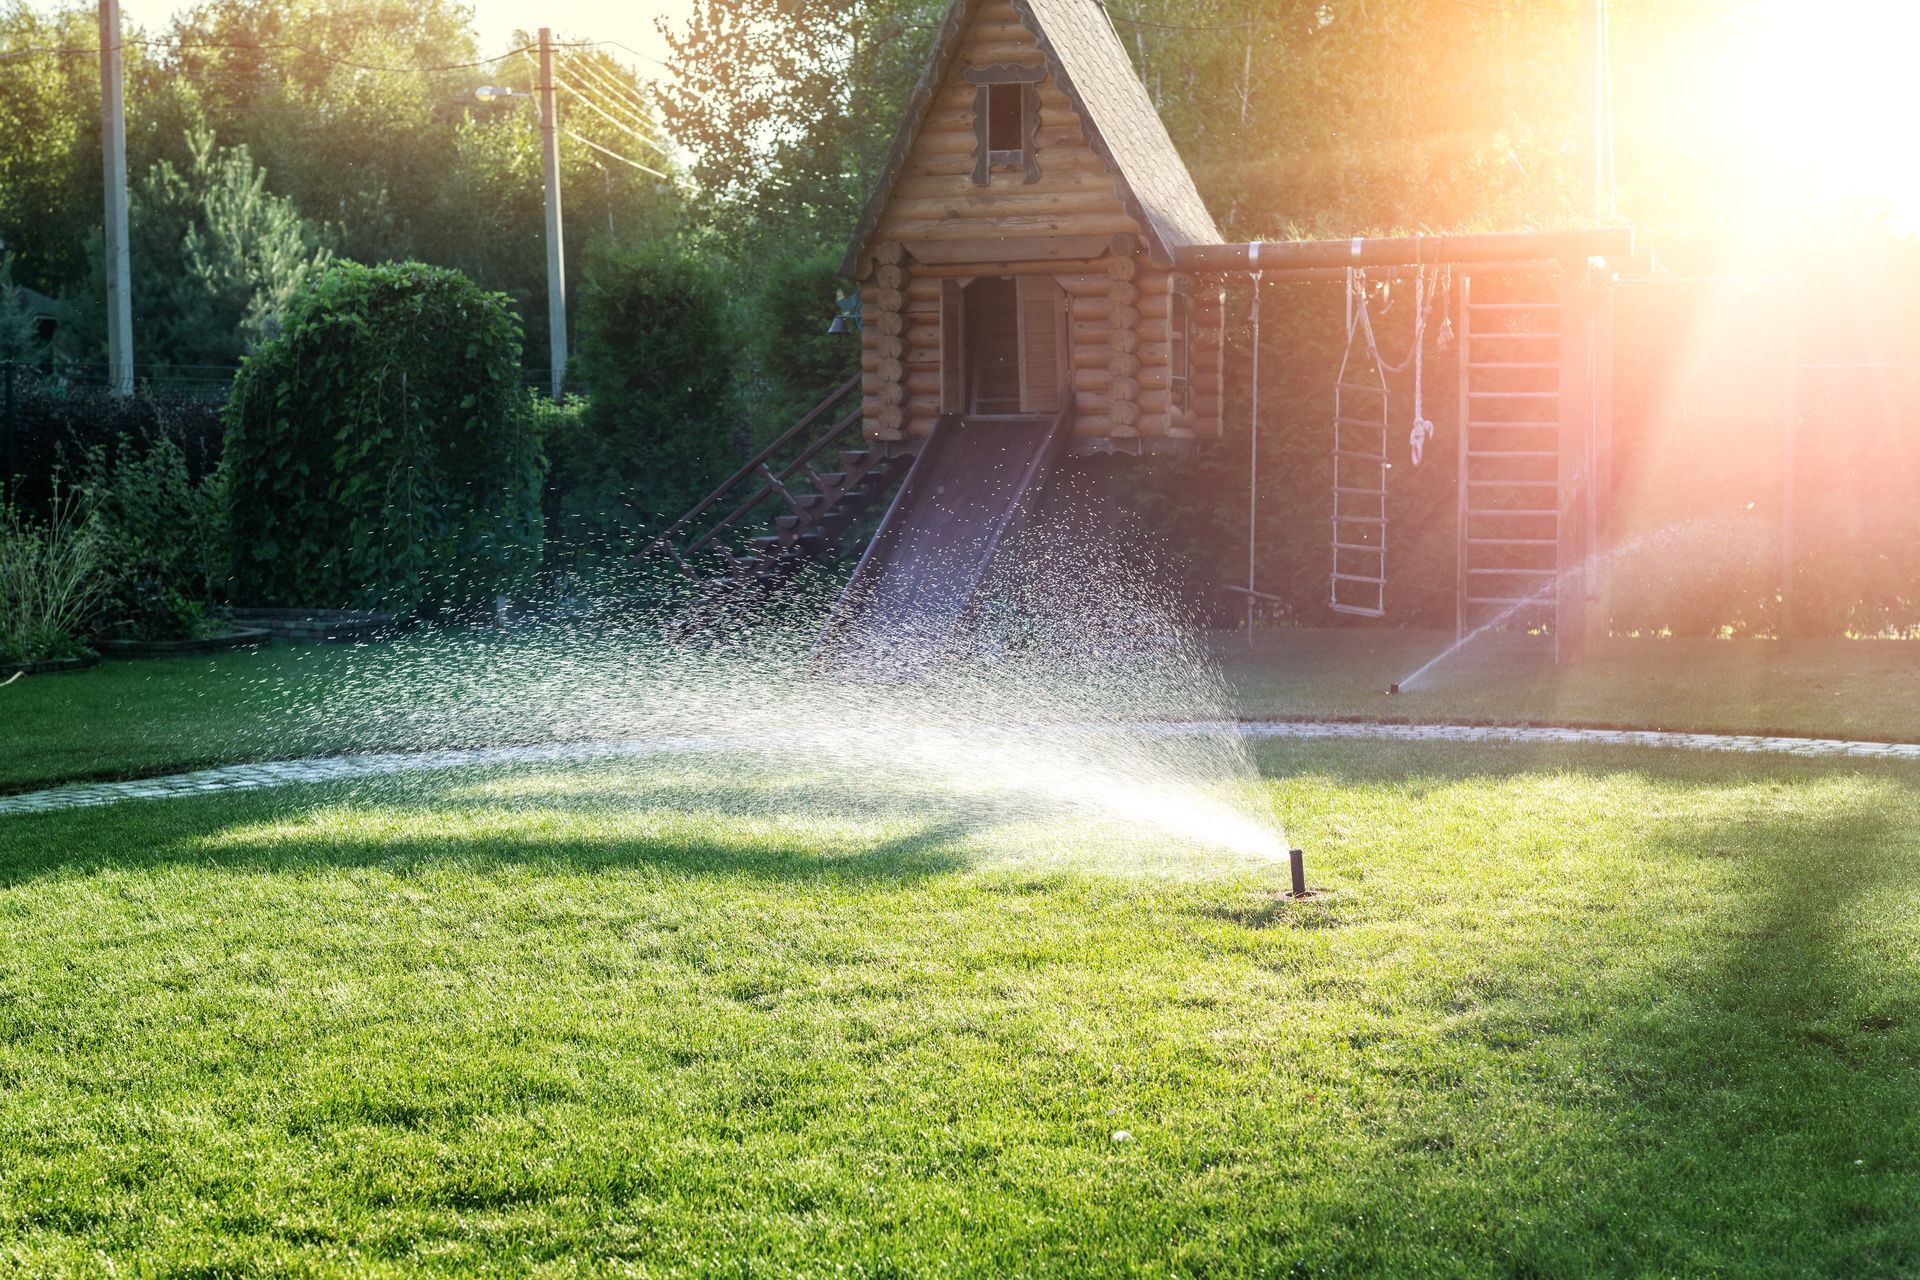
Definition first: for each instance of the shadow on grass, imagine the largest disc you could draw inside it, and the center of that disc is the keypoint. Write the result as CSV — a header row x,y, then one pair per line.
x,y
690,827
1771,1078
1728,1047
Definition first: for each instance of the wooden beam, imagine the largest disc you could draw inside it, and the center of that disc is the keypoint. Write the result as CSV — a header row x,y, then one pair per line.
x,y
1361,251
1005,73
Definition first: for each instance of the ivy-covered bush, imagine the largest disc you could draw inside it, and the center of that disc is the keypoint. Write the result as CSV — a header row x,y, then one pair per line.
x,y
656,352
381,451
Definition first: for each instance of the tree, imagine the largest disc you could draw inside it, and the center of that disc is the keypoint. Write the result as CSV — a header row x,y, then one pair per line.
x,y
217,258
49,145
788,105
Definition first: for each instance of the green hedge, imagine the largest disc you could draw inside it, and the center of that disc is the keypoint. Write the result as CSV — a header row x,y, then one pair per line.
x,y
656,352
381,451
793,361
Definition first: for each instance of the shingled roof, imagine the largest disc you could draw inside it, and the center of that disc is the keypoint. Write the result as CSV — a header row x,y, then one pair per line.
x,y
1091,66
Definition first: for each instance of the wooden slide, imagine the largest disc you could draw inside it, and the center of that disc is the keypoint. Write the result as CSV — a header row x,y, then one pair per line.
x,y
917,581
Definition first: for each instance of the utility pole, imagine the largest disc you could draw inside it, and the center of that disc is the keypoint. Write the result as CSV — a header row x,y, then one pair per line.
x,y
556,255
113,164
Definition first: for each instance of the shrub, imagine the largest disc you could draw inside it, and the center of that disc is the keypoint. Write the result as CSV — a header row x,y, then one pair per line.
x,y
55,424
162,538
50,579
656,354
381,451
795,361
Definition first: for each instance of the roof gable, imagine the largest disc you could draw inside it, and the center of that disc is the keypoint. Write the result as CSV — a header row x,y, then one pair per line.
x,y
1087,60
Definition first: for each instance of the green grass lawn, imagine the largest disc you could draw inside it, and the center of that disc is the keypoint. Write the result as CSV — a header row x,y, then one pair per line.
x,y
1838,688
162,715
1572,1013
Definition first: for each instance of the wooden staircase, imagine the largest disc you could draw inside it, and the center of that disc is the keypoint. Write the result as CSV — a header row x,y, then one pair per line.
x,y
779,512
1509,493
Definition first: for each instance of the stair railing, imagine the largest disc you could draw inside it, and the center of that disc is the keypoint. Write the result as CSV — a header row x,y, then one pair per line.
x,y
760,465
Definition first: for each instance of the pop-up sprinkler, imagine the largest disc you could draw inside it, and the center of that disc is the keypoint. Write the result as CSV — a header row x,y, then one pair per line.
x,y
1394,687
1297,865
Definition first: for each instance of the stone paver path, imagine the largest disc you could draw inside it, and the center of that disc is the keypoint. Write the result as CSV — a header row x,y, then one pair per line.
x,y
248,777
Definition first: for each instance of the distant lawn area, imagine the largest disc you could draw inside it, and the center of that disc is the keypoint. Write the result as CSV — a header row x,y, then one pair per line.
x,y
1565,1014
133,718
1829,688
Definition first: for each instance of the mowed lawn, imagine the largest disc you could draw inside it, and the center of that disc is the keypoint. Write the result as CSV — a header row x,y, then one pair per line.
x,y
1568,1013
162,715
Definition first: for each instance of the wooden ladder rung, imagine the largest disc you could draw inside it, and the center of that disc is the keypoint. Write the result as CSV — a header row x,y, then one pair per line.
x,y
1360,493
1360,577
1359,519
1360,386
1357,546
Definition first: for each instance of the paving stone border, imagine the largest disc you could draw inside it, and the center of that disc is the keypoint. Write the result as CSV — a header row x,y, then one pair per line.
x,y
249,777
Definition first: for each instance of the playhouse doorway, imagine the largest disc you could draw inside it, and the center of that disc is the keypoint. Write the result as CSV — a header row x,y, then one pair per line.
x,y
993,346
1005,339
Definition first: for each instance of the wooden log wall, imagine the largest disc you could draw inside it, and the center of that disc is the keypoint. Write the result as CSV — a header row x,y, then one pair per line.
x,y
884,346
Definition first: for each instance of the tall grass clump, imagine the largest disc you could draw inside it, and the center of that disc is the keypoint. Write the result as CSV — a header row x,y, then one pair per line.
x,y
51,579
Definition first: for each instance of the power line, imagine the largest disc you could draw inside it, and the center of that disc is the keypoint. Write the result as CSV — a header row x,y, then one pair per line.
x,y
1180,26
607,151
615,44
620,96
76,51
608,116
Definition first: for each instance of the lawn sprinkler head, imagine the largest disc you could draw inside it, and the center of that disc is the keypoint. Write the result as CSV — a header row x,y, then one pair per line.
x,y
1299,892
1394,687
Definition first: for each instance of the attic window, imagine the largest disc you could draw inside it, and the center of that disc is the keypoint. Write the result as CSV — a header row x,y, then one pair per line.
x,y
1006,119
1005,109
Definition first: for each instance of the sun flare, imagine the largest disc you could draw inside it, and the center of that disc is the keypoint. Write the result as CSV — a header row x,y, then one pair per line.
x,y
1801,112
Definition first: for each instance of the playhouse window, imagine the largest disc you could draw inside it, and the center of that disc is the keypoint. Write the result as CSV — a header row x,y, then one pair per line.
x,y
1006,115
1179,354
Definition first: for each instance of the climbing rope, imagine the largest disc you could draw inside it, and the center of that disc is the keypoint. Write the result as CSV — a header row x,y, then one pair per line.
x,y
1423,296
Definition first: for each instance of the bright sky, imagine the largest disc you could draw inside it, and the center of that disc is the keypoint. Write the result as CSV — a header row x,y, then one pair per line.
x,y
631,22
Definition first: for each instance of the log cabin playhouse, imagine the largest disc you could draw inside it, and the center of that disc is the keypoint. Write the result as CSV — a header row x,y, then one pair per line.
x,y
1016,253
1038,279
